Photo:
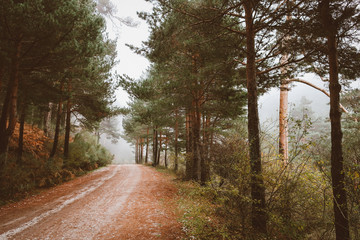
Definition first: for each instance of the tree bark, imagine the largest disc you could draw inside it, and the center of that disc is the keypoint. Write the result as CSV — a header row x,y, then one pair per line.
x,y
141,150
196,156
47,124
176,162
160,148
189,150
147,146
137,151
57,125
188,131
68,122
165,157
10,104
283,116
337,161
205,169
259,216
21,135
155,146
4,139
2,68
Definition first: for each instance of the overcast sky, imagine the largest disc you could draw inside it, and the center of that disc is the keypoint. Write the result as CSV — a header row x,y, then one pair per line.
x,y
130,63
135,65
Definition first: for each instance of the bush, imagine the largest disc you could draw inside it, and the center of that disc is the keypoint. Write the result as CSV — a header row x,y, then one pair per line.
x,y
86,154
298,197
17,180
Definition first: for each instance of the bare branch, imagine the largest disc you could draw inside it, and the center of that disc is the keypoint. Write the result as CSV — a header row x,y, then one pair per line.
x,y
317,88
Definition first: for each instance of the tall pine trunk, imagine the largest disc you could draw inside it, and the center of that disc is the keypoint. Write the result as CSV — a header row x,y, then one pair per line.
x,y
160,148
189,150
337,161
137,151
283,120
176,162
8,115
196,154
141,150
165,157
283,107
47,120
205,169
68,122
2,70
57,125
21,135
147,146
259,216
155,146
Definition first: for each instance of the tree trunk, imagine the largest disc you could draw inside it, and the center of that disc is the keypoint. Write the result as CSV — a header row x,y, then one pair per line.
x,y
97,134
21,135
196,157
176,163
47,124
283,108
155,147
188,131
160,148
137,151
147,146
10,104
63,121
68,122
4,139
283,120
259,217
337,161
189,150
2,68
57,125
205,170
141,150
165,157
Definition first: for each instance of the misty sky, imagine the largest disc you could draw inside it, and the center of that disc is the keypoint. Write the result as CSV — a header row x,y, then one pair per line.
x,y
134,66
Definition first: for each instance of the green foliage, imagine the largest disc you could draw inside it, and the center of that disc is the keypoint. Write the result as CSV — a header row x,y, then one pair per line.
x,y
351,143
86,154
299,196
15,181
34,172
199,218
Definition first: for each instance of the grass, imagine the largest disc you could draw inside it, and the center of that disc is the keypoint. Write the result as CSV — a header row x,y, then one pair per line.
x,y
196,210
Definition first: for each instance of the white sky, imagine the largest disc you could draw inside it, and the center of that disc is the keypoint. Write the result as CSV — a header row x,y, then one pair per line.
x,y
135,65
130,63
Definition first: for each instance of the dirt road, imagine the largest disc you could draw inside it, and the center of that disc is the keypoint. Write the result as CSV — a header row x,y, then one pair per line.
x,y
116,202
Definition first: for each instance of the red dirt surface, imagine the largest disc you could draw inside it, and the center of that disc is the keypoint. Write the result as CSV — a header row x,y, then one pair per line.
x,y
116,202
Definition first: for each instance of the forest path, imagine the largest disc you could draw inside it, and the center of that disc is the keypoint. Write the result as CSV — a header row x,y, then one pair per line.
x,y
116,202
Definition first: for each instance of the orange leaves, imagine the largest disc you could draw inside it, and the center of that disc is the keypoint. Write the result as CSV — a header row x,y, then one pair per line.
x,y
34,141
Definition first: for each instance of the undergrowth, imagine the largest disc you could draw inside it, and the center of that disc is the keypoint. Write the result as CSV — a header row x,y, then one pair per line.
x,y
19,179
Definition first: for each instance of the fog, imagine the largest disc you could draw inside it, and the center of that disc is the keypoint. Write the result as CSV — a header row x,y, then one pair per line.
x,y
130,64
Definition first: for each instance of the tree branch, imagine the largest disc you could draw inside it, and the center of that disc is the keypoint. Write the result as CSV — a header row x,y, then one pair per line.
x,y
317,88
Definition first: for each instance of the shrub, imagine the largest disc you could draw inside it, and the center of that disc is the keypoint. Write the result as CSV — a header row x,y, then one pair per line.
x,y
86,154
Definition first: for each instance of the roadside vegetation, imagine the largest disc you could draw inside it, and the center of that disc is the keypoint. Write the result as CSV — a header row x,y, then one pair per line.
x,y
196,111
37,171
299,197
